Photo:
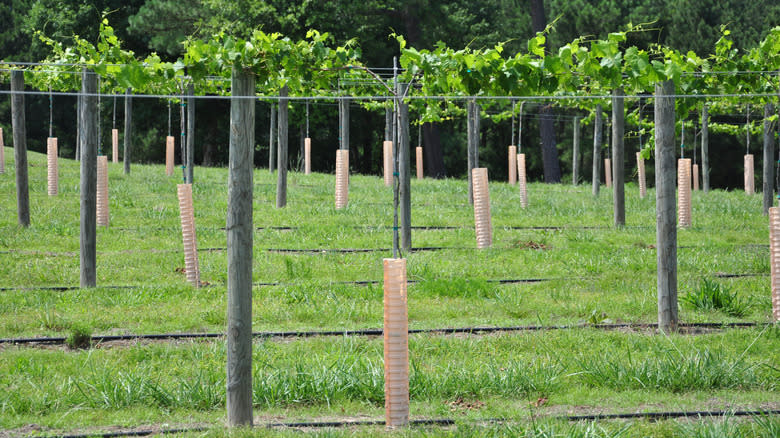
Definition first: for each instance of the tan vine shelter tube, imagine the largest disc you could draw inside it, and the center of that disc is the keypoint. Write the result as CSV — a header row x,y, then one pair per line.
x,y
749,178
187,214
419,155
684,191
640,165
483,225
512,165
53,175
774,259
169,155
102,190
521,180
307,155
342,178
387,162
396,343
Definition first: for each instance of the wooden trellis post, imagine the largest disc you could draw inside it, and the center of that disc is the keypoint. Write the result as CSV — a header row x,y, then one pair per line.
x,y
597,133
281,156
618,160
128,130
575,159
666,227
240,233
20,147
88,123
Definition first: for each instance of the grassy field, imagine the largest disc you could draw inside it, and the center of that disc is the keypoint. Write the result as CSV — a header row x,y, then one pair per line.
x,y
590,273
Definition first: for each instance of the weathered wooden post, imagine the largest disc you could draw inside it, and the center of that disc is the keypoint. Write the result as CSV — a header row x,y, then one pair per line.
x,y
281,156
88,123
239,249
272,138
597,126
769,161
618,157
190,163
19,126
404,171
2,152
705,144
128,130
666,226
575,159
472,133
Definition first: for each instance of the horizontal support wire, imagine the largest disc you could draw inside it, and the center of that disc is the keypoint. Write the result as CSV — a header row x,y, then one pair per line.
x,y
407,98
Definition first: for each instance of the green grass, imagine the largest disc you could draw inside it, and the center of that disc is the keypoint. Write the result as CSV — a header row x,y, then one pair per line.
x,y
594,273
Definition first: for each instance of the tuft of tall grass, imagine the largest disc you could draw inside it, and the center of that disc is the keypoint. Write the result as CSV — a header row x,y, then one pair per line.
x,y
670,371
711,295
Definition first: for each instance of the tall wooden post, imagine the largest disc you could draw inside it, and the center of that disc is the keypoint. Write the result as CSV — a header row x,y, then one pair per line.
x,y
128,130
597,129
472,133
344,123
18,124
281,156
190,163
618,158
769,161
666,220
705,146
2,152
575,159
272,137
404,173
239,249
88,124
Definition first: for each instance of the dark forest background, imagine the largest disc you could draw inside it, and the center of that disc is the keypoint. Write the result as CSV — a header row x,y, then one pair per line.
x,y
147,26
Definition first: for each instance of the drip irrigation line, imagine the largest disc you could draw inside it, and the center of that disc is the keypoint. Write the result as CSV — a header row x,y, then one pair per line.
x,y
379,332
64,288
433,422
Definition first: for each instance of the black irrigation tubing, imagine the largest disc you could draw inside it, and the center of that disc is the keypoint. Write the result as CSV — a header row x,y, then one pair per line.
x,y
379,332
434,422
63,288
